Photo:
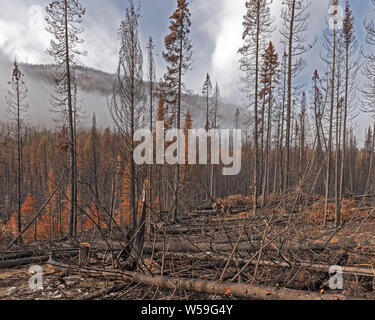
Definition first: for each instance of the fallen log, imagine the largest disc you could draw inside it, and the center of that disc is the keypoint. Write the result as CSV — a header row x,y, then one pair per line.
x,y
22,262
4,256
366,272
178,245
246,246
228,289
36,259
15,255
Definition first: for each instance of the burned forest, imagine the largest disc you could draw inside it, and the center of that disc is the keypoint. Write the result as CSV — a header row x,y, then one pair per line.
x,y
256,183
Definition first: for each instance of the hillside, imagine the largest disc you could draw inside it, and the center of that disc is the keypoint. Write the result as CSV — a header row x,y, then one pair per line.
x,y
95,88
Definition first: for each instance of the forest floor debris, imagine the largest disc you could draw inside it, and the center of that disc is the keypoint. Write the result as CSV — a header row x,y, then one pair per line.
x,y
268,250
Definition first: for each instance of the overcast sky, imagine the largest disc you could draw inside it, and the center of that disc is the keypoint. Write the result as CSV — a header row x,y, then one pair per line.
x,y
216,34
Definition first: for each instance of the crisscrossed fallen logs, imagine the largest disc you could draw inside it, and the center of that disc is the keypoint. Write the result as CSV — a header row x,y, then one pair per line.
x,y
367,272
237,290
188,246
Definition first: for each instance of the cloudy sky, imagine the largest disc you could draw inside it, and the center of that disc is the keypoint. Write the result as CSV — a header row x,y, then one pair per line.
x,y
216,34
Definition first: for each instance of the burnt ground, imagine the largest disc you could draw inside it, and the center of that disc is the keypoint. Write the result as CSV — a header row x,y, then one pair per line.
x,y
273,248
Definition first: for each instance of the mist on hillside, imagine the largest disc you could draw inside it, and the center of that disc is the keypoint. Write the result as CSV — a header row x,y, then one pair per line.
x,y
94,92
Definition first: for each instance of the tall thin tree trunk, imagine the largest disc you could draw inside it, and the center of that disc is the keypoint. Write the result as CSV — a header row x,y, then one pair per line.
x,y
281,149
179,96
132,131
71,126
19,159
267,156
256,143
343,156
329,151
289,100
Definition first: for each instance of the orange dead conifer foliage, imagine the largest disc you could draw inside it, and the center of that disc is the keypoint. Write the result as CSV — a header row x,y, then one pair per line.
x,y
44,227
50,224
51,208
160,114
64,222
157,203
236,200
349,210
12,224
27,211
123,217
56,225
95,219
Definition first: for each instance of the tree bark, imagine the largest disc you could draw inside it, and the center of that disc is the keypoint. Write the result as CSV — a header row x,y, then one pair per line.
x,y
228,289
289,99
329,151
71,124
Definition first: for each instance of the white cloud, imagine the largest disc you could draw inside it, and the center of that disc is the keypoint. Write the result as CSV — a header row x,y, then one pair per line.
x,y
22,32
228,29
100,35
225,60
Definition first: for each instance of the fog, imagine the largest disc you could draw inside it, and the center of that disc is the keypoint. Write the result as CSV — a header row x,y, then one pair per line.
x,y
38,99
93,95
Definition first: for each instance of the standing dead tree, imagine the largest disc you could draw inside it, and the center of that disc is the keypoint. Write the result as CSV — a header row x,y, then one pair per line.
x,y
151,93
269,78
368,91
63,19
318,113
206,91
351,67
294,28
216,116
257,29
178,56
330,45
217,99
127,104
16,110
